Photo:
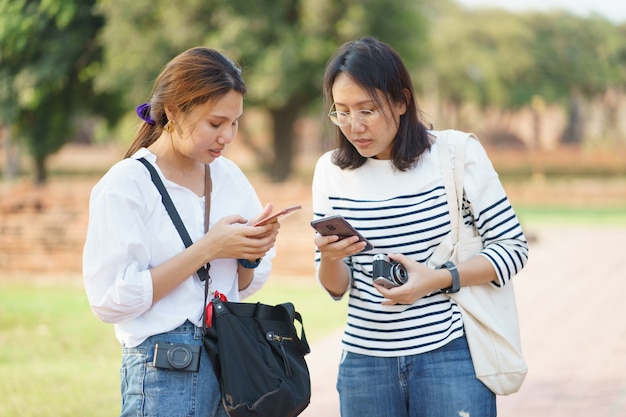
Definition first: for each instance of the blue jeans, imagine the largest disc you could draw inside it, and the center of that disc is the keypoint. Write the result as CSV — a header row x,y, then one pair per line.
x,y
440,383
151,392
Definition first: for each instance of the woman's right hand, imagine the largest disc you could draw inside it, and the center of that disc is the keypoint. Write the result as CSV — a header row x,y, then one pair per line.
x,y
332,272
334,249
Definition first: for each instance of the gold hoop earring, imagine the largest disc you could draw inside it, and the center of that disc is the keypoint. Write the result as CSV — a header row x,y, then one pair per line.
x,y
169,126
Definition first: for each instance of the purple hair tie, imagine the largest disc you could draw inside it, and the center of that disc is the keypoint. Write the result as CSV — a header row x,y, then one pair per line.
x,y
143,111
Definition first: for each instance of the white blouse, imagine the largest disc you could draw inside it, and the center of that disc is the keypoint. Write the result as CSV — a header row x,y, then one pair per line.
x,y
129,232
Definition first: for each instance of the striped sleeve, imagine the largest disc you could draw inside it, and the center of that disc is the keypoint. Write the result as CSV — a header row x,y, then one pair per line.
x,y
488,207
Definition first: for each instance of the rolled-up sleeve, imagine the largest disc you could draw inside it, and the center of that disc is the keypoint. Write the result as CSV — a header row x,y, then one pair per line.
x,y
116,254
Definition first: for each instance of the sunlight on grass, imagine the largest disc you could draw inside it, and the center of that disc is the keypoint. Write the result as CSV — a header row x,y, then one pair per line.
x,y
58,359
581,216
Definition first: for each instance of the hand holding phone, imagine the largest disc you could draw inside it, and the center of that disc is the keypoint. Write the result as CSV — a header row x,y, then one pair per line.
x,y
281,214
337,225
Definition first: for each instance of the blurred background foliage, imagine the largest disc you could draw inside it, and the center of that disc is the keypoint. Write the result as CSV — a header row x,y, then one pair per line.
x,y
77,68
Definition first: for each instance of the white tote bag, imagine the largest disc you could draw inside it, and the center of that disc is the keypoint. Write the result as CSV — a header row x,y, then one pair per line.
x,y
489,313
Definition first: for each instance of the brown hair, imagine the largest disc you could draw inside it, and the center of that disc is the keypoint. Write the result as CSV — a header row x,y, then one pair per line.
x,y
195,77
376,66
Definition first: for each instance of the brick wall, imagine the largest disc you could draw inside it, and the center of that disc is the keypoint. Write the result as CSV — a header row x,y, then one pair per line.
x,y
42,229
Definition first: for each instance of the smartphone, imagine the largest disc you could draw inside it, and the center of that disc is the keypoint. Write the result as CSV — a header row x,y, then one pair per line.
x,y
337,225
278,215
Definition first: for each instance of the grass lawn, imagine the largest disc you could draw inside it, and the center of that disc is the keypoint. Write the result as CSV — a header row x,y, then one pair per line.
x,y
57,359
597,216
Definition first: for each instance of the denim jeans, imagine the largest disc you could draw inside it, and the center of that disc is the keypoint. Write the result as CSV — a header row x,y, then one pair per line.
x,y
440,383
151,392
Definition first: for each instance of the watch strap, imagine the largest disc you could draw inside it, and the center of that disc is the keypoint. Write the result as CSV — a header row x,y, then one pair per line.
x,y
249,264
456,279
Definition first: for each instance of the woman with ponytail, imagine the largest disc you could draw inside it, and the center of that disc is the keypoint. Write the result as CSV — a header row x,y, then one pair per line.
x,y
137,271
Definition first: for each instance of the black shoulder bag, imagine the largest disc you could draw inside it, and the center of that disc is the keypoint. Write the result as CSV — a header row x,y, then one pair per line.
x,y
256,352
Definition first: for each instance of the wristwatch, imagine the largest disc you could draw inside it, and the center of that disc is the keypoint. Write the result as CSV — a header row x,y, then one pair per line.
x,y
249,264
456,281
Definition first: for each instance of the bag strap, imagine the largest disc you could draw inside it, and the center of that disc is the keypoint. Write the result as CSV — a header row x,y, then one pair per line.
x,y
300,341
203,272
453,178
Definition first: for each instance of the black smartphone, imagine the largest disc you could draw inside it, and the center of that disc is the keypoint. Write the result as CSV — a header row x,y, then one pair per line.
x,y
337,225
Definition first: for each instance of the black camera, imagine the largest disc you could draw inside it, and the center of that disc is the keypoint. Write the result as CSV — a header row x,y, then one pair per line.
x,y
387,272
177,356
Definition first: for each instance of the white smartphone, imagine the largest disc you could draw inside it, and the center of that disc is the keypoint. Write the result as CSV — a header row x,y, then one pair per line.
x,y
281,214
337,225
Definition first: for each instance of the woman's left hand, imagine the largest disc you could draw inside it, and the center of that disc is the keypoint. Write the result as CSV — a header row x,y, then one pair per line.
x,y
267,210
421,281
271,227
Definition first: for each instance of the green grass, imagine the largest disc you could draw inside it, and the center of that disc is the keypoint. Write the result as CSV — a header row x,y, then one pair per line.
x,y
57,359
582,216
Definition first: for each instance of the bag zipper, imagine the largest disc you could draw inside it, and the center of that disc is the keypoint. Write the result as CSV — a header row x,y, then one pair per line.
x,y
274,337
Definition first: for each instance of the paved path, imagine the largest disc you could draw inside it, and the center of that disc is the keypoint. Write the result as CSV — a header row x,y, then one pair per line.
x,y
572,306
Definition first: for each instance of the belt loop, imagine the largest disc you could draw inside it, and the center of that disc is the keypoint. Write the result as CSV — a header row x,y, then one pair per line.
x,y
197,334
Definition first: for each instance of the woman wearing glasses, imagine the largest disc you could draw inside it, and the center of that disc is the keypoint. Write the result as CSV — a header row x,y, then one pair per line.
x,y
404,349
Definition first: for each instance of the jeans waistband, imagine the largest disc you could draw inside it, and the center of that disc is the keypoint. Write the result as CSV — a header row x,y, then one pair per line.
x,y
188,328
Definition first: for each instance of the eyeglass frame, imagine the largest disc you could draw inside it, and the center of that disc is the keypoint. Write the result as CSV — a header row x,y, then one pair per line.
x,y
360,115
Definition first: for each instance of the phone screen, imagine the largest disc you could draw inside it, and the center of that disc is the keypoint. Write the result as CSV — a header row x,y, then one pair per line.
x,y
337,225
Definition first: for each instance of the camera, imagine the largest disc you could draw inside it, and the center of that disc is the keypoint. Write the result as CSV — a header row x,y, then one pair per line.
x,y
177,356
387,272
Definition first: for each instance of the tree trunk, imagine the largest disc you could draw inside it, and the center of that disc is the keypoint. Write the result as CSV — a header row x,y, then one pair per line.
x,y
12,154
574,131
284,120
41,173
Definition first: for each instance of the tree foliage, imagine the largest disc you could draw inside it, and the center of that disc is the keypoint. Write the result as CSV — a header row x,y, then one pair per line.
x,y
575,58
502,59
62,58
48,60
478,56
283,46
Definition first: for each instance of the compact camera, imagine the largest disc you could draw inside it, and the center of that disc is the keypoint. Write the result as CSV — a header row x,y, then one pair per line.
x,y
387,272
177,356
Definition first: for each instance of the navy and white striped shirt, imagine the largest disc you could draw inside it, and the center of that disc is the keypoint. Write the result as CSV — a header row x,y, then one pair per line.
x,y
406,212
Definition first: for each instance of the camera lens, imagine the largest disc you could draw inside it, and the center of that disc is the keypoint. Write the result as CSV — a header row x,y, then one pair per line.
x,y
179,356
398,274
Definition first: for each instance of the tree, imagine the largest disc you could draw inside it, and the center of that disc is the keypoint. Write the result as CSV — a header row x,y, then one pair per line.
x,y
48,60
505,60
479,56
292,41
576,58
282,45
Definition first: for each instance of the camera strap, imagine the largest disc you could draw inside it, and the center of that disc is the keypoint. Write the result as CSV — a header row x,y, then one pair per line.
x,y
203,272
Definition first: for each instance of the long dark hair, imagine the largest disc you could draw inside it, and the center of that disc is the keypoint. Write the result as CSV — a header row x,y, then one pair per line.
x,y
196,76
376,66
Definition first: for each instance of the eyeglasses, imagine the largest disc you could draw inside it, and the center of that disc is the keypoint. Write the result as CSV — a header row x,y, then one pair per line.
x,y
344,118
